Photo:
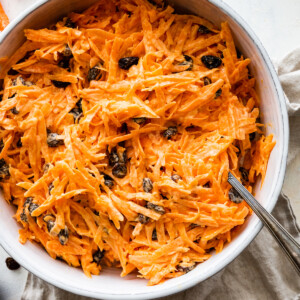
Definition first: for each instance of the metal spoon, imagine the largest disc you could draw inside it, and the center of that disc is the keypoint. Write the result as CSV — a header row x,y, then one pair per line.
x,y
285,240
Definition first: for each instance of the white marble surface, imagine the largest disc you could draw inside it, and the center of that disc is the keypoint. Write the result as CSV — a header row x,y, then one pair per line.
x,y
277,24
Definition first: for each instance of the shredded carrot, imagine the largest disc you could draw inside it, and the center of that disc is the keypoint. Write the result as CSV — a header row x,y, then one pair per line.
x,y
118,128
4,21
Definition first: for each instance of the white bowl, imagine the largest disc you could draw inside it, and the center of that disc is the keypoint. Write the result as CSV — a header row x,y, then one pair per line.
x,y
109,285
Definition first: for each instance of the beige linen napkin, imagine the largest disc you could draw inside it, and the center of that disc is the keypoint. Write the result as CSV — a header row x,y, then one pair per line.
x,y
262,271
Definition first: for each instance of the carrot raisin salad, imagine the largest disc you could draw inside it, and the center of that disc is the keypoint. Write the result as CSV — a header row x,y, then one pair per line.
x,y
118,127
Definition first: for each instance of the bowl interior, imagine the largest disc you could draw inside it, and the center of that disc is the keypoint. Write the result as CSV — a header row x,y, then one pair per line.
x,y
109,285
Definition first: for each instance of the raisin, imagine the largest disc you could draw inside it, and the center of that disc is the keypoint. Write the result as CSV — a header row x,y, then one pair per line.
x,y
211,61
60,84
188,62
97,256
185,269
234,196
19,143
108,181
64,63
143,219
50,221
12,264
23,216
176,177
157,208
63,235
119,170
14,111
67,51
32,207
94,73
79,103
147,185
1,144
206,81
76,112
154,235
244,174
203,29
218,93
140,121
4,169
53,140
126,62
171,131
113,157
69,23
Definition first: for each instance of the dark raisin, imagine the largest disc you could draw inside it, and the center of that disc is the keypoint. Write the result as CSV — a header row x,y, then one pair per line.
x,y
53,140
244,174
76,112
140,121
67,51
143,219
50,221
108,181
4,169
206,81
69,23
97,256
185,269
159,209
79,103
119,170
211,61
12,264
203,29
126,62
113,157
63,235
176,177
14,111
218,93
21,79
234,196
19,143
94,73
64,63
23,216
252,136
12,72
171,131
32,207
147,185
1,144
60,84
50,188
154,235
188,62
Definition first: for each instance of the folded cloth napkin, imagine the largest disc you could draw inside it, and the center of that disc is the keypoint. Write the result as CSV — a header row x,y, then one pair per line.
x,y
262,271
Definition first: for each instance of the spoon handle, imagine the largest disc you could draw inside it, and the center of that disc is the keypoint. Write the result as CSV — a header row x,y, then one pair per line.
x,y
285,240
